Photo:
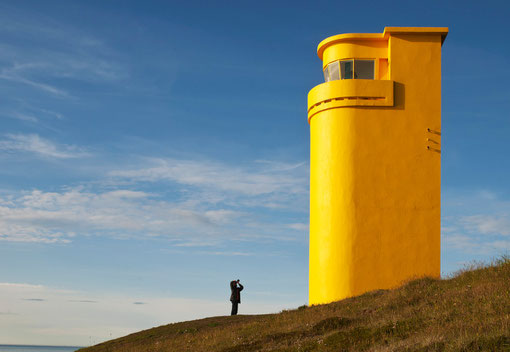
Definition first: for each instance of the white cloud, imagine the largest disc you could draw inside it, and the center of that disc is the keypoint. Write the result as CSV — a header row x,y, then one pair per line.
x,y
126,194
221,202
221,216
12,75
70,54
474,245
51,113
299,226
263,178
52,217
226,253
19,285
23,117
33,143
476,223
487,224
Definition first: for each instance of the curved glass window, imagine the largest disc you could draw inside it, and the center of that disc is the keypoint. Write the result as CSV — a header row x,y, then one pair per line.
x,y
332,72
349,69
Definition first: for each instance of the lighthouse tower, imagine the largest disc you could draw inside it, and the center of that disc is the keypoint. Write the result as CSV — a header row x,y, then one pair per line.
x,y
375,162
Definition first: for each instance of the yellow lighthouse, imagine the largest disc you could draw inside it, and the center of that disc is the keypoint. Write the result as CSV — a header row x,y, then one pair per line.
x,y
375,162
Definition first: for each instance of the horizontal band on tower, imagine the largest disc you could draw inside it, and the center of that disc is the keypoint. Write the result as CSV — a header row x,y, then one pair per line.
x,y
349,93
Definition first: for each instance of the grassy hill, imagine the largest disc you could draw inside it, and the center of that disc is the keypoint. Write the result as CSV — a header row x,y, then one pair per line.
x,y
469,312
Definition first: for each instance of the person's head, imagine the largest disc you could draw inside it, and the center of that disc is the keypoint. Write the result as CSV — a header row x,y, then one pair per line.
x,y
233,284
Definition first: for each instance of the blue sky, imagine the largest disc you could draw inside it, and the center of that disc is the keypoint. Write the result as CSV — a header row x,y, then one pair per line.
x,y
153,151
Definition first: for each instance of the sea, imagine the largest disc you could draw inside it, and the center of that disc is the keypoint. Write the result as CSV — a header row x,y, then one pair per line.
x,y
26,348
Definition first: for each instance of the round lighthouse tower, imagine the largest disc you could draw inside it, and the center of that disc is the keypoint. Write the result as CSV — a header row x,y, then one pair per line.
x,y
375,162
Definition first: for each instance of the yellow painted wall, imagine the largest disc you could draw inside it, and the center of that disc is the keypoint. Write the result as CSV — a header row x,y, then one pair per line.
x,y
375,165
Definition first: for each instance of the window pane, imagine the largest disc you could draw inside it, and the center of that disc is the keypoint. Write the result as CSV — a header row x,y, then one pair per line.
x,y
333,71
364,69
346,68
326,74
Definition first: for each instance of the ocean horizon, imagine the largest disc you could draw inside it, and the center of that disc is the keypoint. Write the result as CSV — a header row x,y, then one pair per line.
x,y
37,348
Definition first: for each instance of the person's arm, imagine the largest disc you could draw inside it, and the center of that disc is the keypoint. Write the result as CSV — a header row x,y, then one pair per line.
x,y
241,287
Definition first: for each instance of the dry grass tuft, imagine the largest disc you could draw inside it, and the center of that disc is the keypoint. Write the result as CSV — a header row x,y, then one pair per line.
x,y
469,311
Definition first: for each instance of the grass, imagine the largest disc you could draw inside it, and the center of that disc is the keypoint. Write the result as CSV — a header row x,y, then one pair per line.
x,y
469,311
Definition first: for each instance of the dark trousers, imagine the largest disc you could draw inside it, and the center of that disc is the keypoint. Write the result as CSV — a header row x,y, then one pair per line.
x,y
234,308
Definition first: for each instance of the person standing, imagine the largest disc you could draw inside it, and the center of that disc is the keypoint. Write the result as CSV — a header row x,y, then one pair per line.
x,y
235,297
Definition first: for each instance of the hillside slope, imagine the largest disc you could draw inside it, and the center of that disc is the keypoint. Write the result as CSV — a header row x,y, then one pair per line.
x,y
470,312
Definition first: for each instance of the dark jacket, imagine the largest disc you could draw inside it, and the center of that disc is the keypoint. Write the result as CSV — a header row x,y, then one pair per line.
x,y
236,292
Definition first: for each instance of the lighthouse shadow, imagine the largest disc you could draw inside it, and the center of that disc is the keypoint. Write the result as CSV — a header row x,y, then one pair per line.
x,y
399,96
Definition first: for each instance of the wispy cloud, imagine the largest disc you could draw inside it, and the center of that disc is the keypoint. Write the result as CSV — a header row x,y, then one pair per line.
x,y
199,212
56,51
299,226
226,253
23,117
51,113
33,143
15,74
476,223
44,65
487,224
473,245
262,178
19,285
279,186
34,299
57,217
